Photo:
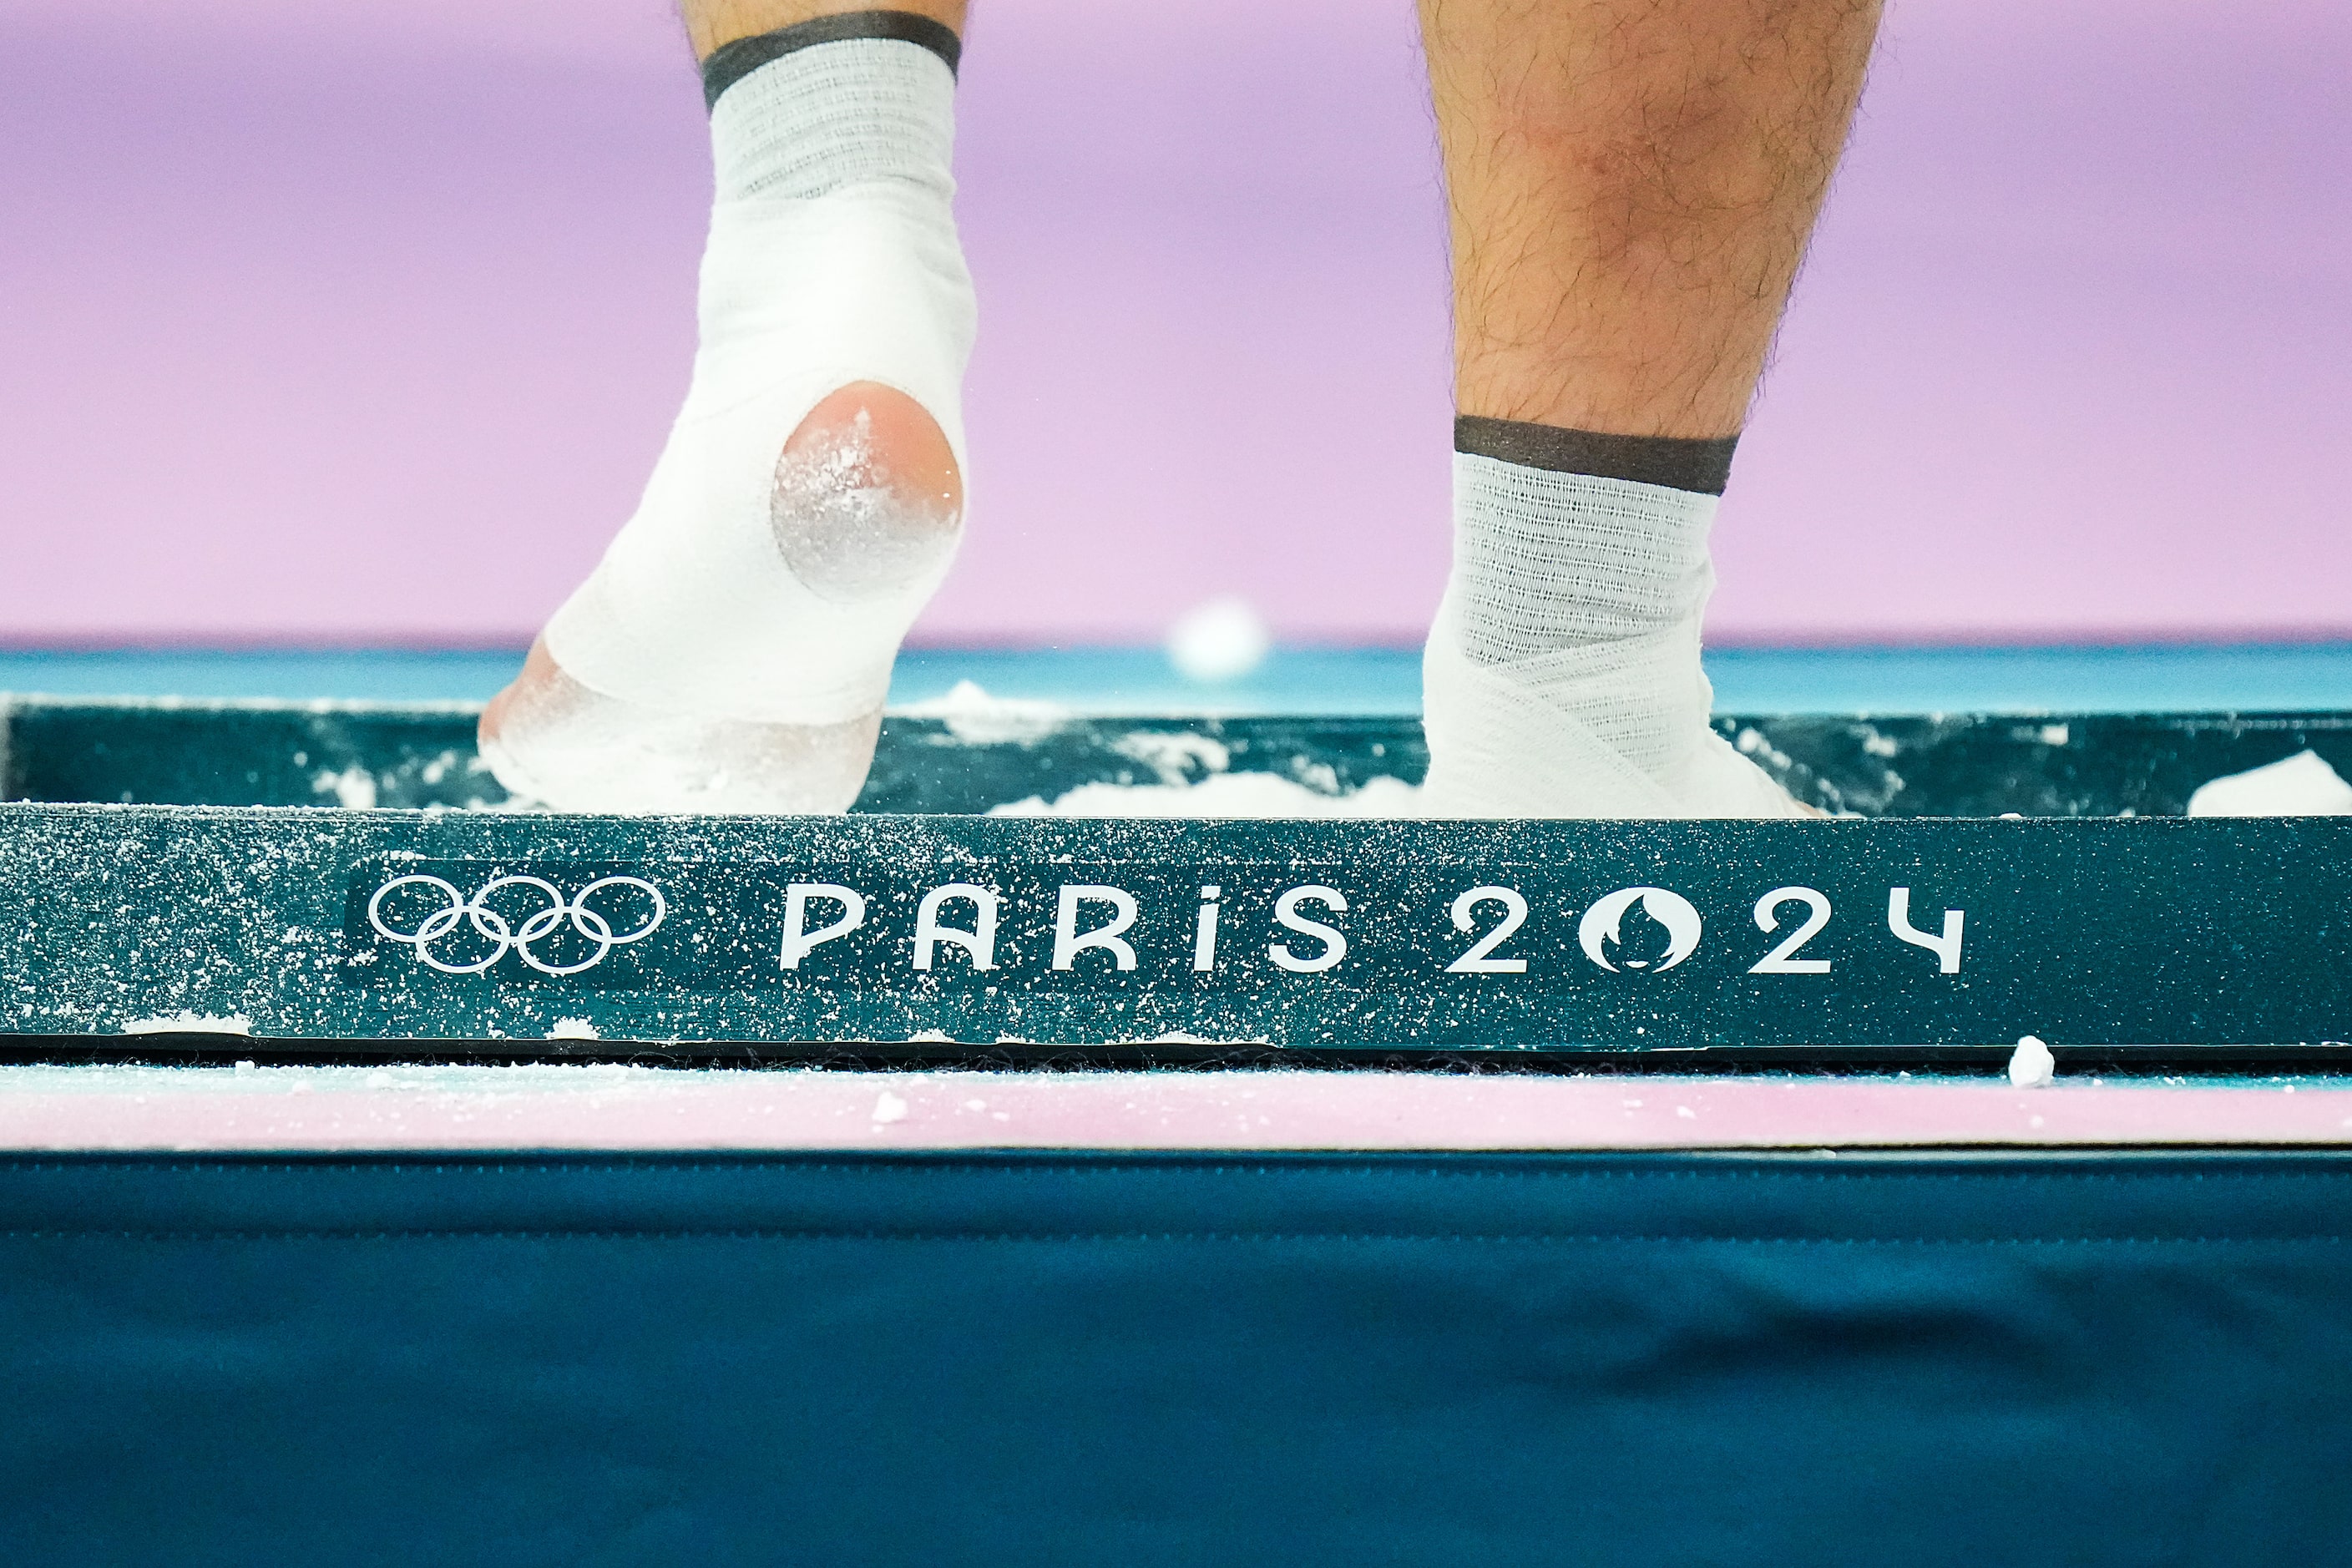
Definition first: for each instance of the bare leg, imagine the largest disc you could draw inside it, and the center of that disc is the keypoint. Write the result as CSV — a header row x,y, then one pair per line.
x,y
1633,184
866,490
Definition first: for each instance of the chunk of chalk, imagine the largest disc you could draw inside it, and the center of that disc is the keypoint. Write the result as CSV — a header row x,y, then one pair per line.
x,y
2031,1066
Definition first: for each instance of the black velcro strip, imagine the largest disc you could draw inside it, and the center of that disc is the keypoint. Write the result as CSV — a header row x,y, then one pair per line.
x,y
1680,462
730,63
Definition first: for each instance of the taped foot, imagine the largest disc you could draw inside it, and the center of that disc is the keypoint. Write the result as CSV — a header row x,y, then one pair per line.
x,y
732,649
1562,676
865,507
552,742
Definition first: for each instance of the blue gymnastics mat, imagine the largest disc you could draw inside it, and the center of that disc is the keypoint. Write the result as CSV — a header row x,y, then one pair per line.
x,y
997,1358
1285,1360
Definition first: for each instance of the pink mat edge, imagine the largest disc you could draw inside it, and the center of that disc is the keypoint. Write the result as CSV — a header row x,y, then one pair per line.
x,y
351,1110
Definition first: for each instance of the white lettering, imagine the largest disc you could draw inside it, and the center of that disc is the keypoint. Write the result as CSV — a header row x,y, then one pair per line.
x,y
799,940
1514,913
979,942
1286,913
1205,930
1947,947
1068,944
1783,958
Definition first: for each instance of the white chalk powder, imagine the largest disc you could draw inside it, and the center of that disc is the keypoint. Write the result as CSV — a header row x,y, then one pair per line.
x,y
1176,756
353,788
2301,786
2031,1066
1223,796
972,716
190,1023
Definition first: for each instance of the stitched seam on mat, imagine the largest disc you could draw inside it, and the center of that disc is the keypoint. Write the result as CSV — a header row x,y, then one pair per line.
x,y
1249,1237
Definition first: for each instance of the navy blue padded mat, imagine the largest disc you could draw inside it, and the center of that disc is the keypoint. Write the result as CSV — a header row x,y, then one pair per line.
x,y
1292,1360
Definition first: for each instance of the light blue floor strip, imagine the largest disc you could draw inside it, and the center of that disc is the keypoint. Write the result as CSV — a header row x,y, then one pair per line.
x,y
2190,678
2243,677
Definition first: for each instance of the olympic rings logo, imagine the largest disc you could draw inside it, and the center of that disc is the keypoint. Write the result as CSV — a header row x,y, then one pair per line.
x,y
512,930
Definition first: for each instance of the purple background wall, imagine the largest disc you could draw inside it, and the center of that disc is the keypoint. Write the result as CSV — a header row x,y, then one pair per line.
x,y
363,322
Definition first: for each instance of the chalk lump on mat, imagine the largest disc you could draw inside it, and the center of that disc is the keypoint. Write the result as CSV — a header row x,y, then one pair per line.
x,y
1243,795
185,1023
2301,785
2031,1066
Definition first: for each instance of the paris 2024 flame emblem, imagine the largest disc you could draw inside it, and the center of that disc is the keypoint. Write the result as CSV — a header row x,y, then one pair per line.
x,y
1602,935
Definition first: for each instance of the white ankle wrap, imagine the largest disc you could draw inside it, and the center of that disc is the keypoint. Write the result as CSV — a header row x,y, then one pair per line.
x,y
1562,676
833,259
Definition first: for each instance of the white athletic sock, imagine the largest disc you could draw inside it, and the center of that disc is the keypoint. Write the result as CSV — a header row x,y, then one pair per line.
x,y
833,259
1562,676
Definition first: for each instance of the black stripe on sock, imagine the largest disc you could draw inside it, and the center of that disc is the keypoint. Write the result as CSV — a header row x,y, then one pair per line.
x,y
730,63
1681,462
